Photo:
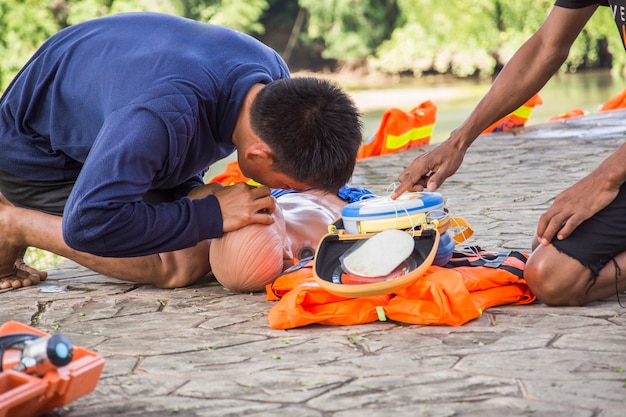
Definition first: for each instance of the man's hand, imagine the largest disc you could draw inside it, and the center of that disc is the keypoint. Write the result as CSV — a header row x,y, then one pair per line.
x,y
204,190
573,206
242,204
430,170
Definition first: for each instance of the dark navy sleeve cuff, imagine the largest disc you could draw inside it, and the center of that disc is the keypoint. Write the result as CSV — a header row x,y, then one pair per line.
x,y
209,214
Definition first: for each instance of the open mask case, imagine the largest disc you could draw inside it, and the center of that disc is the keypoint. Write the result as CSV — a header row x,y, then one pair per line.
x,y
331,275
421,216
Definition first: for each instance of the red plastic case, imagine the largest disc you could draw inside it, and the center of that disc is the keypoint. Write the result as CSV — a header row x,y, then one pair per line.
x,y
24,395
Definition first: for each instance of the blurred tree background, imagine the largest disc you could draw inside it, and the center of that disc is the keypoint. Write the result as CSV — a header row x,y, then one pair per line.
x,y
466,38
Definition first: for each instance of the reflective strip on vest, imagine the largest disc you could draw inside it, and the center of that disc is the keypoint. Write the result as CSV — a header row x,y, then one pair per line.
x,y
416,133
523,111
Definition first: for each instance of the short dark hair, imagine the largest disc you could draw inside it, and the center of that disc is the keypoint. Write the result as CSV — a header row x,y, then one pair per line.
x,y
313,128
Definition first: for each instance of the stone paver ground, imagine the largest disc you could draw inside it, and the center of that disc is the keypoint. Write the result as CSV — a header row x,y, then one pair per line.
x,y
205,351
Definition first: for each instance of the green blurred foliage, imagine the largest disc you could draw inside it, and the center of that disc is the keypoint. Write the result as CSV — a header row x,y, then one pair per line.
x,y
41,259
24,25
240,15
482,36
463,38
349,29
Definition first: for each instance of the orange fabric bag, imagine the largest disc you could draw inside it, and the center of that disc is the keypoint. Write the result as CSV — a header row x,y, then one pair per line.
x,y
400,130
443,296
516,119
515,293
232,174
298,274
301,301
618,101
308,303
577,112
440,297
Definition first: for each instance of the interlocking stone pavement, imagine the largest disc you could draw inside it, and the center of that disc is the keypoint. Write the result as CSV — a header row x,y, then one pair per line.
x,y
204,351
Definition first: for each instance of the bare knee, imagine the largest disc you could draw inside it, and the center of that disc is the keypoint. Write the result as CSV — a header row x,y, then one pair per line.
x,y
182,268
555,280
176,278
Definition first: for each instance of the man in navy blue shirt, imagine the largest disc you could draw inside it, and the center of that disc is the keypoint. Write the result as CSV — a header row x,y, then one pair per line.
x,y
107,131
580,246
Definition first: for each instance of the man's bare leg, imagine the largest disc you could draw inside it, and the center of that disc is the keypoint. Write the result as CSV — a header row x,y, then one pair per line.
x,y
557,279
21,228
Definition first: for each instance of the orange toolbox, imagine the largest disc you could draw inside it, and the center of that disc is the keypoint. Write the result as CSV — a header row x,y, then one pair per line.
x,y
32,394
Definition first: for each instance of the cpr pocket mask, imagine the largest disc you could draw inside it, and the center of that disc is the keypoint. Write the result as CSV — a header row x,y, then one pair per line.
x,y
381,245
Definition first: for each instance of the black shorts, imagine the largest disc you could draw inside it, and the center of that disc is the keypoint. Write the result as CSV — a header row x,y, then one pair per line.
x,y
51,197
598,239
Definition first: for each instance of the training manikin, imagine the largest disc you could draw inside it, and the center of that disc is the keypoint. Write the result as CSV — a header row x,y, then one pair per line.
x,y
247,259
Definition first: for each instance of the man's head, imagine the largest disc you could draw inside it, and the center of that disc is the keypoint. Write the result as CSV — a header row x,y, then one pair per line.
x,y
312,128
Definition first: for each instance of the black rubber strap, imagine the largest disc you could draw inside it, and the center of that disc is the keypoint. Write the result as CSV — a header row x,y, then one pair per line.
x,y
10,340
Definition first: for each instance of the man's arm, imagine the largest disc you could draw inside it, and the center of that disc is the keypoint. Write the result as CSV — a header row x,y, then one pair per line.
x,y
523,76
105,214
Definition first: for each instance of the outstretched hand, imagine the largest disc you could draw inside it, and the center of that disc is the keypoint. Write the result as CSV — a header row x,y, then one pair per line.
x,y
573,206
242,204
430,170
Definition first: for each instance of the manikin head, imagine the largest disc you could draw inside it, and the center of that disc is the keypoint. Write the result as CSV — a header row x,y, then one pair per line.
x,y
249,258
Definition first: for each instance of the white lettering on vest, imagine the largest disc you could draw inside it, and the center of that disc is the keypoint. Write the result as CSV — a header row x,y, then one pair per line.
x,y
618,9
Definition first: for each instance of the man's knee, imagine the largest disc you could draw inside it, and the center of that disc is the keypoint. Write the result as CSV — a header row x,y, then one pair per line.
x,y
555,283
182,268
179,278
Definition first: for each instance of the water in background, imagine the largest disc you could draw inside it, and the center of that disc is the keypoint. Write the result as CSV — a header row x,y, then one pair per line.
x,y
455,99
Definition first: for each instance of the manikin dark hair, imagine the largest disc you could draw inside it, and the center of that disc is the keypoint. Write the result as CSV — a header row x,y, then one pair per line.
x,y
313,129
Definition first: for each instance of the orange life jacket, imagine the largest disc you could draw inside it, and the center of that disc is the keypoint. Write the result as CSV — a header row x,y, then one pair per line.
x,y
577,112
451,295
618,101
516,119
232,174
400,130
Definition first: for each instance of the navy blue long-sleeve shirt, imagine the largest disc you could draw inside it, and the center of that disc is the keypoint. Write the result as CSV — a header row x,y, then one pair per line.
x,y
125,104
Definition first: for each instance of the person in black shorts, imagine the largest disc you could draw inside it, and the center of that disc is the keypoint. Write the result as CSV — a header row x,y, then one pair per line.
x,y
579,254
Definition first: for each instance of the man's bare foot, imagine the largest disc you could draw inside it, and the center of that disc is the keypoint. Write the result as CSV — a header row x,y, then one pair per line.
x,y
21,265
21,275
20,278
